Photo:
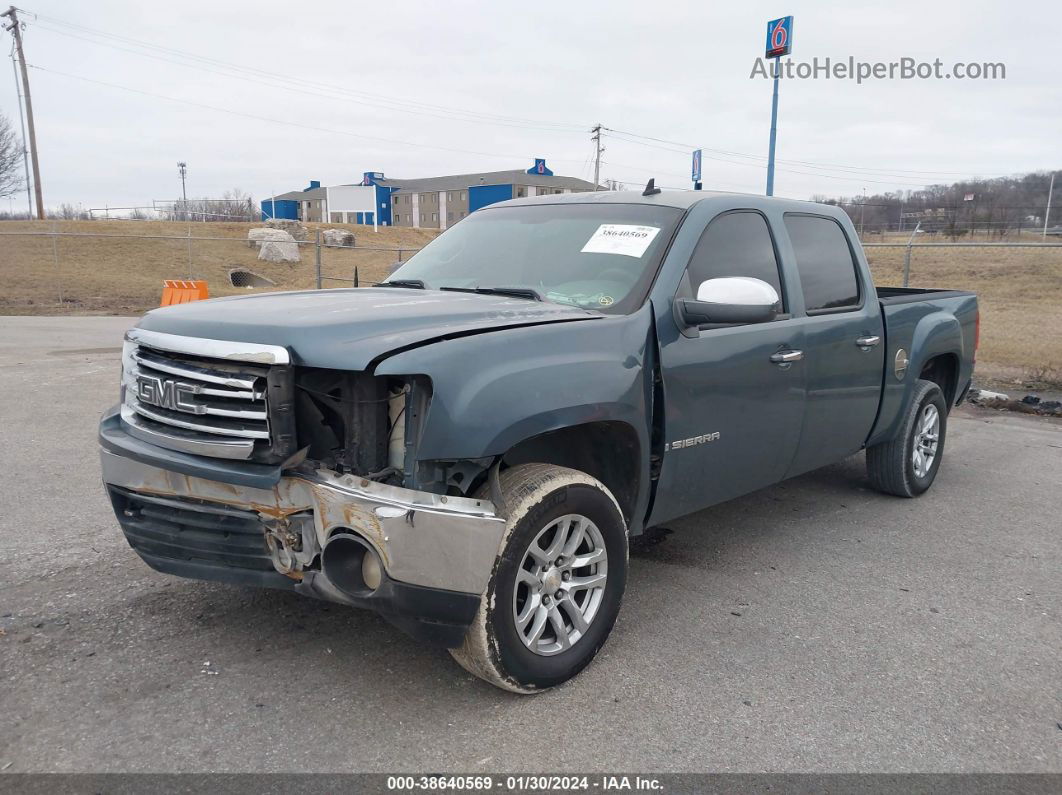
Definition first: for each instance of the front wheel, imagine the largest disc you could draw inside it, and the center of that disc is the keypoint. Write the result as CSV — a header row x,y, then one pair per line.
x,y
556,588
907,465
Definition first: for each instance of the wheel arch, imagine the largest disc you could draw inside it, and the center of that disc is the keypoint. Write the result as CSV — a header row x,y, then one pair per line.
x,y
608,450
943,370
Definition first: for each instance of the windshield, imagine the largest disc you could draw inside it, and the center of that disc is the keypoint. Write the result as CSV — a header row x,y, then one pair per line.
x,y
595,256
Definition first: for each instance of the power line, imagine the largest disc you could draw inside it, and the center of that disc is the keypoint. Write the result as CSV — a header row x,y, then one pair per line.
x,y
807,163
297,86
861,178
284,122
273,75
657,172
275,80
858,178
449,113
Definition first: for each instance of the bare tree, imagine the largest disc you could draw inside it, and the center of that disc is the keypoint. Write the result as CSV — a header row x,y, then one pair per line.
x,y
10,159
993,206
234,205
68,212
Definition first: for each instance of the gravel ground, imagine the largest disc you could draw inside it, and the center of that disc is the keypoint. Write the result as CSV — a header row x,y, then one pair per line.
x,y
814,626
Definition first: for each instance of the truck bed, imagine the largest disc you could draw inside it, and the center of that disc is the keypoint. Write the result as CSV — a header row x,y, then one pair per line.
x,y
890,296
924,324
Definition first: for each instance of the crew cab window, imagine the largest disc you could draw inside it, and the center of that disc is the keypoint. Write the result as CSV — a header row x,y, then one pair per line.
x,y
735,244
825,262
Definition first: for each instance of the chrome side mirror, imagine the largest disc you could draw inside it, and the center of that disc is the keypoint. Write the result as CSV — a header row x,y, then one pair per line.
x,y
731,300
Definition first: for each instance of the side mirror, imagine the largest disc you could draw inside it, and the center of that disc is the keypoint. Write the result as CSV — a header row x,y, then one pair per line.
x,y
732,300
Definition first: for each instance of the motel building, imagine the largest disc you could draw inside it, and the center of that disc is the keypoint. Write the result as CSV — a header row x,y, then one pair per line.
x,y
425,203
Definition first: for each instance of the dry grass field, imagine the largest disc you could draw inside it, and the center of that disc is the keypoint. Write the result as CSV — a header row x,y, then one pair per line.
x,y
1020,294
1020,289
123,275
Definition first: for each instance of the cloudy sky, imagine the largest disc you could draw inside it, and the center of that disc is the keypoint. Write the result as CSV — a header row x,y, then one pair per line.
x,y
266,96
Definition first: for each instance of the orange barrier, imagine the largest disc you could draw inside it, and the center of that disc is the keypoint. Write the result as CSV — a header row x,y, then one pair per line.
x,y
180,291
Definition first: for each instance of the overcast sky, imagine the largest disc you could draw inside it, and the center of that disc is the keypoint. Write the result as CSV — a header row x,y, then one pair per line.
x,y
423,89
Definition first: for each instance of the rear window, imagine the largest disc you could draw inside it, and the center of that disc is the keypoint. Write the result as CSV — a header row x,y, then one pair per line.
x,y
824,261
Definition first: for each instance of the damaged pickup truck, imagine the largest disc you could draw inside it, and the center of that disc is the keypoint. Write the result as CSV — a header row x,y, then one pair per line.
x,y
468,447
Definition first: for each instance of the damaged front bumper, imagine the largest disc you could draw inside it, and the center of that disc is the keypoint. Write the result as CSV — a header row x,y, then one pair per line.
x,y
192,517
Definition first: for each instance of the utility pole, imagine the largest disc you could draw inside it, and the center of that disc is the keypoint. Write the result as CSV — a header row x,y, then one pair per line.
x,y
1047,214
16,30
597,155
25,152
182,167
862,212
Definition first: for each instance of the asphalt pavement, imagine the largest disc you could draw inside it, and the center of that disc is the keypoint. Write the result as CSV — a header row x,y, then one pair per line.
x,y
813,626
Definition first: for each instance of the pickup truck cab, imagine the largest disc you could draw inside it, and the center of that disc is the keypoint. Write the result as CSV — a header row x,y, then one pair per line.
x,y
468,447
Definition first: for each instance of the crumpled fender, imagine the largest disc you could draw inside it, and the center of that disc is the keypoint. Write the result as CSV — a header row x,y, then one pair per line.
x,y
491,391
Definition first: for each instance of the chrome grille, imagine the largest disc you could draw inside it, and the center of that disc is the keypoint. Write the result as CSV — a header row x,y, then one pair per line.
x,y
197,395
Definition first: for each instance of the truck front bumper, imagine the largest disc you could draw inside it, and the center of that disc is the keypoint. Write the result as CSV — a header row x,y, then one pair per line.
x,y
436,553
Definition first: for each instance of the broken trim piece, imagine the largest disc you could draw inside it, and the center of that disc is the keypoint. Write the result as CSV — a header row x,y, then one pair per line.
x,y
214,349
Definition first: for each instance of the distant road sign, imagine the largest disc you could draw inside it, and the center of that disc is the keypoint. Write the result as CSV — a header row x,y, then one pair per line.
x,y
779,37
697,166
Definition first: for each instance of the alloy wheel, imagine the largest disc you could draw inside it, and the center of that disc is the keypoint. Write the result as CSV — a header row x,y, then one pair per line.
x,y
926,439
560,584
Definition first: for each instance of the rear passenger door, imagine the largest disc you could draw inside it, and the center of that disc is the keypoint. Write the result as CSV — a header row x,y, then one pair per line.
x,y
843,341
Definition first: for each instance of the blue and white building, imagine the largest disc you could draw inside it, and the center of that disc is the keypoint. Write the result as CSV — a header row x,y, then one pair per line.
x,y
424,203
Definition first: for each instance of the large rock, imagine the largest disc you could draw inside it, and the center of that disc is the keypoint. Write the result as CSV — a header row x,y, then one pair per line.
x,y
255,237
278,251
294,228
337,237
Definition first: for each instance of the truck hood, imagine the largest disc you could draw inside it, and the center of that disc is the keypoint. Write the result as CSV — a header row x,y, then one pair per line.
x,y
348,329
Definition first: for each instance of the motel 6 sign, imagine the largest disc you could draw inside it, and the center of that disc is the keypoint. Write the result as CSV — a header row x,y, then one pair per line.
x,y
779,37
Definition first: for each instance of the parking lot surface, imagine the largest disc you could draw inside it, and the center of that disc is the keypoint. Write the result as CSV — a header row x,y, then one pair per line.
x,y
814,626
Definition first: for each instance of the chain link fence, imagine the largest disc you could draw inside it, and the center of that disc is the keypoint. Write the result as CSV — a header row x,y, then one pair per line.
x,y
1019,290
55,268
105,268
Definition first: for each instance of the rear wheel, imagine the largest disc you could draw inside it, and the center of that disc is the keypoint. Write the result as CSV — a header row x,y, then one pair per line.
x,y
908,465
556,588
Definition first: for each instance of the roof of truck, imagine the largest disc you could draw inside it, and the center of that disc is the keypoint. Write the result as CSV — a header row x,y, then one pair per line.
x,y
682,199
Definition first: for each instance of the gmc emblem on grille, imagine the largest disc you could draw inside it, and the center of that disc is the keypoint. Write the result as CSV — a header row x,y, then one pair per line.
x,y
168,394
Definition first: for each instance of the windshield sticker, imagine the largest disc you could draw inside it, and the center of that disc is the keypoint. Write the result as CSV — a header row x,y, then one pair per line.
x,y
624,239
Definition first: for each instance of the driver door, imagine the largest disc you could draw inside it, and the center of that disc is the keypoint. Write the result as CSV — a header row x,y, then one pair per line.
x,y
732,415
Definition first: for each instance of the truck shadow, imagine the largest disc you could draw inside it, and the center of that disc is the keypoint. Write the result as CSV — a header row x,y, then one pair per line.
x,y
791,506
341,653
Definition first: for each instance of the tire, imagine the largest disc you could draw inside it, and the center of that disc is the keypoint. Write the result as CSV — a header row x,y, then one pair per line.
x,y
893,466
546,503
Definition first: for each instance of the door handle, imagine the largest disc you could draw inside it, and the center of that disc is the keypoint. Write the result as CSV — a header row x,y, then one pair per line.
x,y
787,357
866,343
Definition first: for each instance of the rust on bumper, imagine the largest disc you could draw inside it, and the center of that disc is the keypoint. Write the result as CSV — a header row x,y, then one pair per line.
x,y
423,539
